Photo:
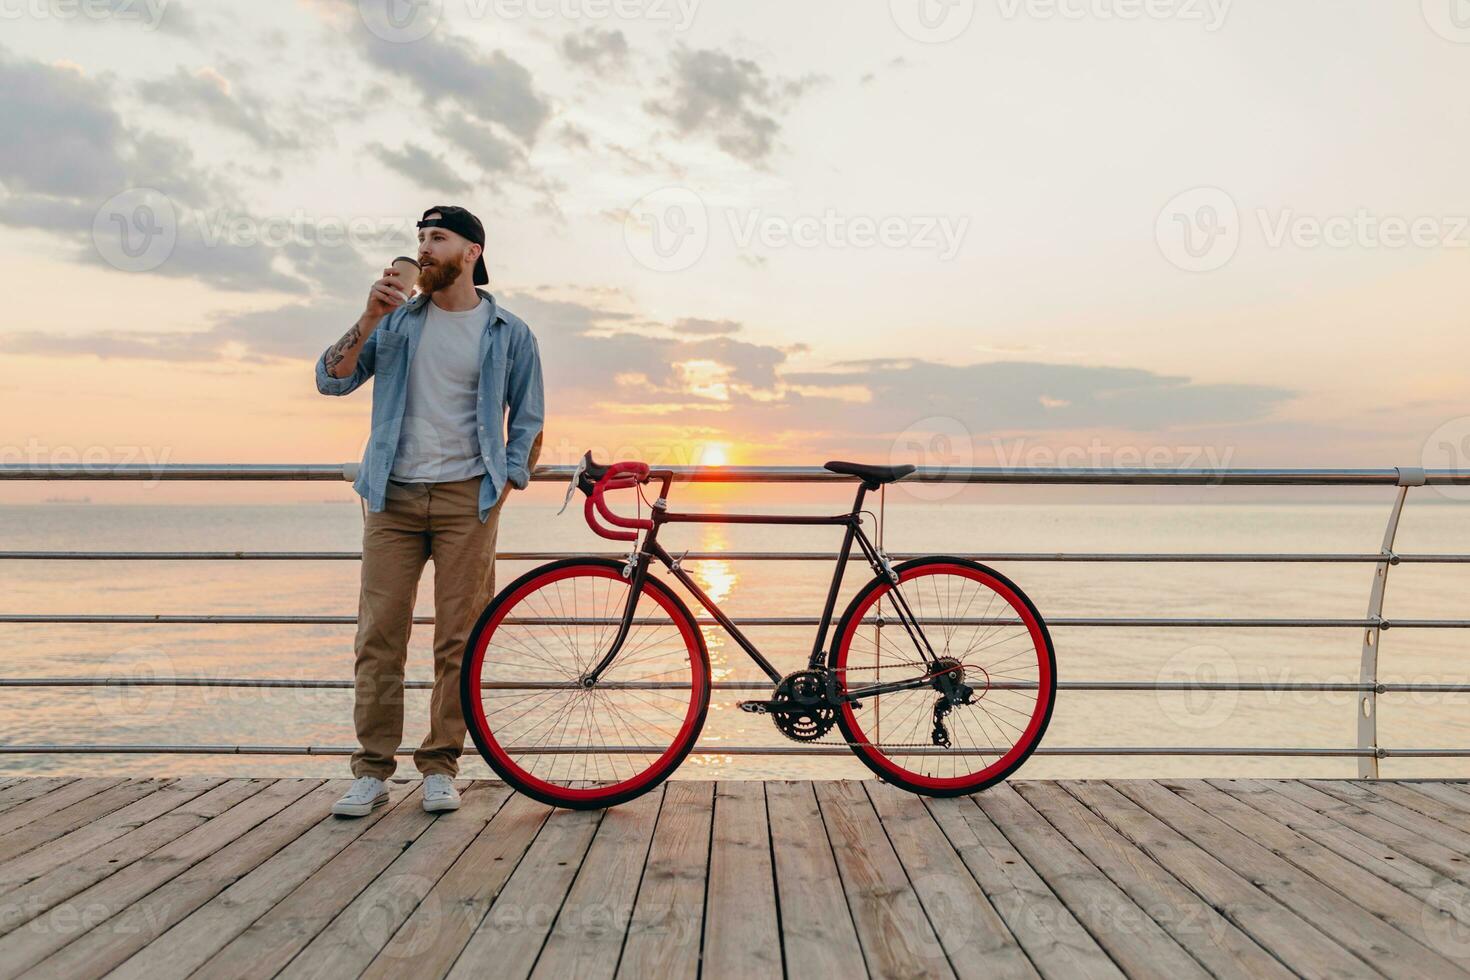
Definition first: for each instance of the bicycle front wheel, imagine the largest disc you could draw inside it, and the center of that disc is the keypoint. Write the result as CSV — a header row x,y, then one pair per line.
x,y
986,634
540,729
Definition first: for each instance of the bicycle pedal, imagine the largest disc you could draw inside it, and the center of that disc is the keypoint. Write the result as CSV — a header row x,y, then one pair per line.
x,y
754,707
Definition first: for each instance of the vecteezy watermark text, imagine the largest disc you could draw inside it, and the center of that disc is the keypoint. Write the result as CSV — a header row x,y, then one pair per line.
x,y
668,230
1210,13
1200,230
146,13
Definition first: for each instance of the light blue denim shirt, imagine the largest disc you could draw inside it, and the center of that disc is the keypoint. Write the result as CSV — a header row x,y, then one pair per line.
x,y
511,407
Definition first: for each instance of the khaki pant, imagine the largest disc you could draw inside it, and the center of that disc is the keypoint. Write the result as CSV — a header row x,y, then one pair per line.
x,y
421,521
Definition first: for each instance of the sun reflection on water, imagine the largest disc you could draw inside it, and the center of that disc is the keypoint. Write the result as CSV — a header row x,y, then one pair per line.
x,y
717,578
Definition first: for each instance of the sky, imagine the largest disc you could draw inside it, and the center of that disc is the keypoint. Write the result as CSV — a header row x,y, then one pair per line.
x,y
948,232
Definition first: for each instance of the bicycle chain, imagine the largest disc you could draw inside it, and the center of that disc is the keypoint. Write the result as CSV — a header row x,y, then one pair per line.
x,y
873,745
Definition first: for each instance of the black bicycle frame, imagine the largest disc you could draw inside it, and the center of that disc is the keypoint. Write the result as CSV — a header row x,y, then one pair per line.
x,y
852,521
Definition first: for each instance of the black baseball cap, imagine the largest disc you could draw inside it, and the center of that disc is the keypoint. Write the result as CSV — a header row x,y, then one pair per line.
x,y
464,224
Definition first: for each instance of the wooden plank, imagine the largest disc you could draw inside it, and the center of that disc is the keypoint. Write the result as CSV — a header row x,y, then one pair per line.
x,y
22,949
1050,934
1134,941
110,943
1430,806
510,937
275,938
26,839
1359,886
1411,820
741,932
28,901
588,934
817,933
28,789
351,941
668,914
895,934
1454,794
1387,949
1430,853
1278,929
1212,939
59,798
973,935
84,840
434,935
1395,867
190,943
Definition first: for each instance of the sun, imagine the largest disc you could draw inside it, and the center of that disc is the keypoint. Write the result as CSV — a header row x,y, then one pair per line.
x,y
714,454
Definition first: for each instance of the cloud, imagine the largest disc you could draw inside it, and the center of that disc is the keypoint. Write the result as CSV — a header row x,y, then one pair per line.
x,y
298,331
587,348
892,64
598,51
423,168
1031,395
208,93
491,86
63,138
699,327
488,150
730,99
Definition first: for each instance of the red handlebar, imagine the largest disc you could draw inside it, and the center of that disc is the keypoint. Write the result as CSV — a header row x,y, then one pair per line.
x,y
619,476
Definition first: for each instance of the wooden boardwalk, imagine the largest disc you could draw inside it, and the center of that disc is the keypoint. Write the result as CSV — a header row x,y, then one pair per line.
x,y
211,877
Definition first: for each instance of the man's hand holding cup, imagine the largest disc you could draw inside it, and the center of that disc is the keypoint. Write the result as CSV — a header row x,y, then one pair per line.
x,y
392,291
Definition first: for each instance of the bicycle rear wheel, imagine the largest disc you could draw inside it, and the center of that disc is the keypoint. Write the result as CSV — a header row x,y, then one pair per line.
x,y
565,744
974,618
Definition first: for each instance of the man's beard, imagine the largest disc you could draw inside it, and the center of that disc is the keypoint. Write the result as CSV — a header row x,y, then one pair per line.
x,y
440,275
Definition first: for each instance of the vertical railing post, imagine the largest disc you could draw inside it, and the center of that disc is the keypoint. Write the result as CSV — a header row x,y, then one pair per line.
x,y
878,629
1366,704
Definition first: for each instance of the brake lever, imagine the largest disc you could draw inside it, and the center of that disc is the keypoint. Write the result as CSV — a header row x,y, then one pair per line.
x,y
572,486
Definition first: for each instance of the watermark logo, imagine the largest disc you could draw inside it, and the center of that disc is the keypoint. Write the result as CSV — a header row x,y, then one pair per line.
x,y
1448,448
378,917
400,21
136,230
1194,708
939,445
1450,19
1445,917
135,683
932,21
1199,229
667,230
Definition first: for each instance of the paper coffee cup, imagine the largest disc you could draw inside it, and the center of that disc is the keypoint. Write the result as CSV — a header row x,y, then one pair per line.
x,y
407,271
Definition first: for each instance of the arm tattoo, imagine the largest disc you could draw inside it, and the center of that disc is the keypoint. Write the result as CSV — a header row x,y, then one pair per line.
x,y
337,353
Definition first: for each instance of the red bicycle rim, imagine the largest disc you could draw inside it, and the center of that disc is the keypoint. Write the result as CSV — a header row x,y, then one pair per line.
x,y
1040,652
641,779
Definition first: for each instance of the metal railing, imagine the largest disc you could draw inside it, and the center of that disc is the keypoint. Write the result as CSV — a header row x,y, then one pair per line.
x,y
1367,750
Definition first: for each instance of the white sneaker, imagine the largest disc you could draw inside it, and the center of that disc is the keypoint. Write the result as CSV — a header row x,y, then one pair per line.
x,y
365,795
439,793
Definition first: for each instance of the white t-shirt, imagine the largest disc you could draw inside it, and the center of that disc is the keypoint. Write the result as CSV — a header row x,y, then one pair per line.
x,y
438,442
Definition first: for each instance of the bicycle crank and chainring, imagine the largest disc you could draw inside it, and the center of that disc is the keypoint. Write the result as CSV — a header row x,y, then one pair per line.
x,y
799,706
803,711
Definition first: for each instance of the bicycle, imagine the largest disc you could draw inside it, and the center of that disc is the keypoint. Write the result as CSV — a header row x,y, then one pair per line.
x,y
582,670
